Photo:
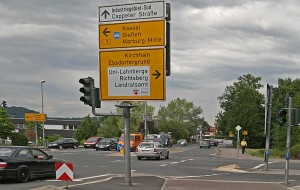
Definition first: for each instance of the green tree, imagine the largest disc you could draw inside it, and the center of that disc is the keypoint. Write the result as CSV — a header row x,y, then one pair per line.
x,y
180,117
109,127
136,116
6,126
292,87
242,105
86,129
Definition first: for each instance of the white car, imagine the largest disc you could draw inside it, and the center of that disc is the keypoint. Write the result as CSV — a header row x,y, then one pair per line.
x,y
151,150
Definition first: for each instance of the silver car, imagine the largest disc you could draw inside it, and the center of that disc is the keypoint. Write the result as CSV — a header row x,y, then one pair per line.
x,y
151,150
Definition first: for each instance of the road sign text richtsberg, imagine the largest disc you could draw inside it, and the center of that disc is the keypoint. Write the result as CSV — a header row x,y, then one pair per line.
x,y
132,74
132,11
132,34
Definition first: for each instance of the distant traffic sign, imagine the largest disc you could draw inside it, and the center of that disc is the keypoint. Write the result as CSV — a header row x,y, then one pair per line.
x,y
133,11
132,34
132,74
35,117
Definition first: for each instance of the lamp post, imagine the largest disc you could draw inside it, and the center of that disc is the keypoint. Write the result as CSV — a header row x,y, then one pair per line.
x,y
43,81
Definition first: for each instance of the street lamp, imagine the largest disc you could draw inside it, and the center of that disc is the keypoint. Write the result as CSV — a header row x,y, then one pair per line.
x,y
43,81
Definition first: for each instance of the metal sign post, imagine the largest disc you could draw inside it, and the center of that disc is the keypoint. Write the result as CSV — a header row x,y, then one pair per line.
x,y
126,112
288,139
238,128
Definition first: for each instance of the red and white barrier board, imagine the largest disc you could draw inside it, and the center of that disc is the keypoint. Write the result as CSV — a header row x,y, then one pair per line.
x,y
64,171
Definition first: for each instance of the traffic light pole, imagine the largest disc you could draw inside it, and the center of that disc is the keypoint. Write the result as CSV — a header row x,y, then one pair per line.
x,y
268,124
126,111
288,139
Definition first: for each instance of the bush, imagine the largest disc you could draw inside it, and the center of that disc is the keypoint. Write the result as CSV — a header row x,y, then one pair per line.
x,y
54,137
19,139
295,151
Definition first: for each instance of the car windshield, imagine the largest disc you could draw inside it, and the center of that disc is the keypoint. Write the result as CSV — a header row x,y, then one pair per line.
x,y
92,139
181,140
58,140
105,140
146,145
6,151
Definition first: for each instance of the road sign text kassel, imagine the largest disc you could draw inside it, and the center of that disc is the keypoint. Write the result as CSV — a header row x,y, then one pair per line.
x,y
132,34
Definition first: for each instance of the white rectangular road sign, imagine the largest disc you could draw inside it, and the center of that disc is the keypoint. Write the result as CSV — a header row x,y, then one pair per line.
x,y
132,11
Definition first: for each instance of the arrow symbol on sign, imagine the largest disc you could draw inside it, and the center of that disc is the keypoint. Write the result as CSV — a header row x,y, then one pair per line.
x,y
105,32
157,74
105,13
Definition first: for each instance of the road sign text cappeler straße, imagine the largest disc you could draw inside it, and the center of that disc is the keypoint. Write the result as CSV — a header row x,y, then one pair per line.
x,y
132,11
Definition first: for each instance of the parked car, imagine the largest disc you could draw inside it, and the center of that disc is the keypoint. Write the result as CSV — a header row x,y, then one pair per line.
x,y
25,163
214,142
151,149
107,144
64,143
182,142
91,142
205,143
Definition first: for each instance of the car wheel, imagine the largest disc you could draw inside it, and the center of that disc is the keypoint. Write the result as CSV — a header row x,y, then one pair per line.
x,y
97,149
74,146
23,175
109,148
200,146
159,157
139,158
167,157
60,146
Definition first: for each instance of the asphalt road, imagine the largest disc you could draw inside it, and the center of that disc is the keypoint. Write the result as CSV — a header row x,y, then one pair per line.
x,y
188,168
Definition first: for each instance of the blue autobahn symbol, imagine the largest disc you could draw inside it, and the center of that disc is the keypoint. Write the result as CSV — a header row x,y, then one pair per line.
x,y
116,35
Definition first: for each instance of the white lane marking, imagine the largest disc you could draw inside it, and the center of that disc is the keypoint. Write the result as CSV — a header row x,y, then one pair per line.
x,y
260,165
182,160
174,163
116,161
163,165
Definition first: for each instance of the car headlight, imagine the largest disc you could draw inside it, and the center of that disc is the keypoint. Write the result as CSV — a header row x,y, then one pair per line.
x,y
107,145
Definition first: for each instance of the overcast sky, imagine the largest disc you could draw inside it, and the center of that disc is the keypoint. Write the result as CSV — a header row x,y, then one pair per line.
x,y
213,42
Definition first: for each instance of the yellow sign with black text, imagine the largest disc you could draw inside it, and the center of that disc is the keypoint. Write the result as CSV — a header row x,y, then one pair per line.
x,y
35,117
132,34
132,74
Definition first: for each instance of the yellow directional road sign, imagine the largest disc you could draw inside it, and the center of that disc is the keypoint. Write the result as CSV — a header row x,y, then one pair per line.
x,y
132,74
132,34
35,117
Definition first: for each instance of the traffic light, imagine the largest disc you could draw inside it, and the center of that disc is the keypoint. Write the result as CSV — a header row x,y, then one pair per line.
x,y
87,90
4,104
282,117
295,117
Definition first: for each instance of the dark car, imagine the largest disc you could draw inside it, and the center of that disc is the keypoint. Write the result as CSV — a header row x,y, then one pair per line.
x,y
25,163
214,142
107,144
181,143
205,143
64,143
91,142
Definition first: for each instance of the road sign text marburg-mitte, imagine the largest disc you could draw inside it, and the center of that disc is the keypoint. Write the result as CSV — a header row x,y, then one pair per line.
x,y
132,34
